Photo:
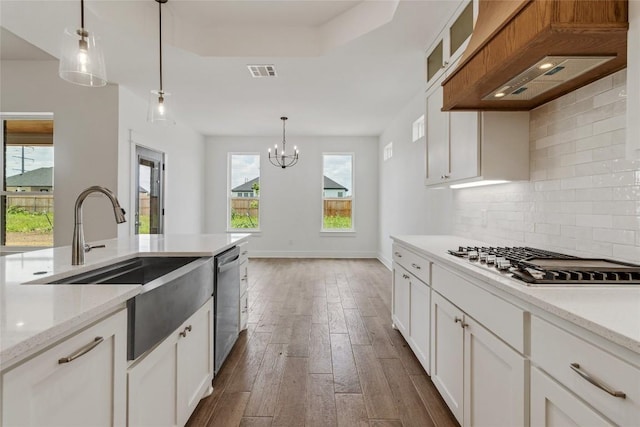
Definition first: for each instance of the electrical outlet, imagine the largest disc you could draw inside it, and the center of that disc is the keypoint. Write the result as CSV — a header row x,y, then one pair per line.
x,y
483,217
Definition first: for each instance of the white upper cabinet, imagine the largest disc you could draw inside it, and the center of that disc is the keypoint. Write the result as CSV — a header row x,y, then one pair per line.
x,y
451,42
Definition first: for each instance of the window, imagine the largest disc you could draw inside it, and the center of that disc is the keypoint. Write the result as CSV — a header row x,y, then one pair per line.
x,y
418,128
388,151
337,203
26,158
244,192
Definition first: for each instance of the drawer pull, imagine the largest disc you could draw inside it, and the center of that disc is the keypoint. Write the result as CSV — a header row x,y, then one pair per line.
x,y
576,368
183,334
398,254
461,320
416,266
81,352
404,276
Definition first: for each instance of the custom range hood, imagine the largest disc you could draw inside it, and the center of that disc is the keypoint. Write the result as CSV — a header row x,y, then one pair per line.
x,y
524,53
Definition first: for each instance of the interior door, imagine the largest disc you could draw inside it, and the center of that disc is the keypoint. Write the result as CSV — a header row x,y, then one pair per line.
x,y
149,190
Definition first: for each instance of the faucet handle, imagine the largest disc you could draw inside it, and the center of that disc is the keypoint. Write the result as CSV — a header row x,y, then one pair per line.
x,y
88,247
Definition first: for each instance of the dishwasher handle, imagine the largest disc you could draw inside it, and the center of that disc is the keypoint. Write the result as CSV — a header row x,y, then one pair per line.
x,y
228,265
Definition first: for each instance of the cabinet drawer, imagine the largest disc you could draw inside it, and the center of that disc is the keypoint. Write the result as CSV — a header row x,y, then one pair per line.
x,y
554,351
500,317
244,277
413,263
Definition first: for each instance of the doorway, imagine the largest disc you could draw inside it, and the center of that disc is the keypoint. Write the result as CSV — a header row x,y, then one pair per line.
x,y
149,190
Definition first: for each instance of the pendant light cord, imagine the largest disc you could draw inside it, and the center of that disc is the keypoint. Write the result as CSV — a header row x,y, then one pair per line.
x,y
82,14
160,41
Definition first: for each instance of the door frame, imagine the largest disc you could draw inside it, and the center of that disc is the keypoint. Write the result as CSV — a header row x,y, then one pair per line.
x,y
140,151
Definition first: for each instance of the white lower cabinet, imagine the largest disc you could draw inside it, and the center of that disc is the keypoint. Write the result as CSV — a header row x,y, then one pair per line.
x,y
166,384
79,382
481,379
554,406
419,321
401,300
244,286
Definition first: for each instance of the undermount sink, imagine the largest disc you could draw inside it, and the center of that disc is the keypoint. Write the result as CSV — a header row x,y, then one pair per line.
x,y
173,288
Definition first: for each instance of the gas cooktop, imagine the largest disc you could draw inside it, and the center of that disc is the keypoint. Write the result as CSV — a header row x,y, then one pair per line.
x,y
539,267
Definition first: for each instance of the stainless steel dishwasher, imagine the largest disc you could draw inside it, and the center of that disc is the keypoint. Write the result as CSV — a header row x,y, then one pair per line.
x,y
226,300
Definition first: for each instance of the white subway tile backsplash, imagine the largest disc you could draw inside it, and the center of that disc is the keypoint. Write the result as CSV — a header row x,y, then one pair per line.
x,y
603,221
583,197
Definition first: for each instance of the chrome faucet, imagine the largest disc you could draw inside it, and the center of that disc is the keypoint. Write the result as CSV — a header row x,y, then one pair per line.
x,y
78,247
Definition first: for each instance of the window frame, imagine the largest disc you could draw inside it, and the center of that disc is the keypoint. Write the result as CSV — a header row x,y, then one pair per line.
x,y
339,231
4,116
228,192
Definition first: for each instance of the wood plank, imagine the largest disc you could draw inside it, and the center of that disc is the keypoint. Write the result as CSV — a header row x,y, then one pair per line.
x,y
357,332
319,312
270,317
283,330
290,407
432,400
262,401
249,363
230,409
320,349
408,359
333,294
256,421
407,399
337,322
345,375
385,423
351,411
375,387
380,341
364,304
321,404
300,332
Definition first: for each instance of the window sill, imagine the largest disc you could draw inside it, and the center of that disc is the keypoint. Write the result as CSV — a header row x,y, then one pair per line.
x,y
338,233
244,231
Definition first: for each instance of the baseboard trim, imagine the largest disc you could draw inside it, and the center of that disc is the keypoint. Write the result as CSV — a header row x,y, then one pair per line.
x,y
385,261
311,254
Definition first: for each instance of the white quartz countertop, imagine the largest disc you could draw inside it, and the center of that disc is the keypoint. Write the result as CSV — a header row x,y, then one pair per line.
x,y
612,312
33,315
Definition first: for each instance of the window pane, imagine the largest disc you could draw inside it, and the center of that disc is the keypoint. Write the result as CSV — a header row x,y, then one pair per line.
x,y
244,191
337,192
27,219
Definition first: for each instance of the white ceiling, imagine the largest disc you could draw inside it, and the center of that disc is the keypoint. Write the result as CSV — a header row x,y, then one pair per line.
x,y
344,67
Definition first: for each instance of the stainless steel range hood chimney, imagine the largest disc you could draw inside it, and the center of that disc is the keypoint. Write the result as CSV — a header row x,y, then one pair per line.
x,y
524,53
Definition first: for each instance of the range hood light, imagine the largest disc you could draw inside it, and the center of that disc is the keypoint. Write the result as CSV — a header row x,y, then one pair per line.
x,y
477,184
499,95
546,66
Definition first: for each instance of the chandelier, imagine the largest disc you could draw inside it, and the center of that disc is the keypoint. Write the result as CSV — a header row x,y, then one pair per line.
x,y
282,159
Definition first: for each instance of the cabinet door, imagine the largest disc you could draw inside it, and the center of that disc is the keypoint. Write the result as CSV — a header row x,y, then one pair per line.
x,y
195,360
437,123
152,386
420,321
401,298
89,390
464,144
494,380
447,357
552,405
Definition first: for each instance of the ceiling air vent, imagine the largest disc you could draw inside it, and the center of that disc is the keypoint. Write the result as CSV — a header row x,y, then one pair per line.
x,y
258,71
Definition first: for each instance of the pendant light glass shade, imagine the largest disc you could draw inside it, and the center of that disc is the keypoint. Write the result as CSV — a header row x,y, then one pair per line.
x,y
81,58
159,109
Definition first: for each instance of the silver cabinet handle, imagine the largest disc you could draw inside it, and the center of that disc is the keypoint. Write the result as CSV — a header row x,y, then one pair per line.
x,y
398,254
184,332
404,276
461,320
576,368
416,266
81,352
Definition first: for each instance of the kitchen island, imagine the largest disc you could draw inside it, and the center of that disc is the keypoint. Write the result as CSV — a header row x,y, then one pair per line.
x,y
40,318
491,342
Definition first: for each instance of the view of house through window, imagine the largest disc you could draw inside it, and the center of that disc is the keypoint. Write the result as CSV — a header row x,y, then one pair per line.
x,y
26,196
337,192
244,191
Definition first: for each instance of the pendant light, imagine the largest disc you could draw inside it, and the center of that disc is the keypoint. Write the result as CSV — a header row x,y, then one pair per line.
x,y
283,160
158,112
81,59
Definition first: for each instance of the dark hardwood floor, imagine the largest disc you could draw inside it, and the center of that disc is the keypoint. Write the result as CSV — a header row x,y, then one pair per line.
x,y
320,351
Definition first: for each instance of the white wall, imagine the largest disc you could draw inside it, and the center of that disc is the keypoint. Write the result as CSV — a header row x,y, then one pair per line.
x,y
583,197
85,140
406,206
184,175
291,199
